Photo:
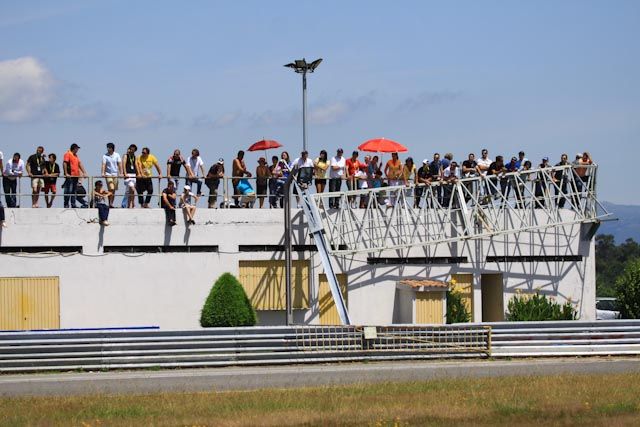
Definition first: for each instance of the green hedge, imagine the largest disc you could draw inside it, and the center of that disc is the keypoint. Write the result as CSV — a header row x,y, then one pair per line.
x,y
538,308
628,290
456,310
227,305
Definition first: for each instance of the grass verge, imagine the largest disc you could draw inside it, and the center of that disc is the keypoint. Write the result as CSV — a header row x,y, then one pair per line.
x,y
585,400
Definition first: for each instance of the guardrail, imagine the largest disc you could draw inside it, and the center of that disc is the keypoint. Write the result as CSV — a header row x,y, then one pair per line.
x,y
565,338
53,350
109,349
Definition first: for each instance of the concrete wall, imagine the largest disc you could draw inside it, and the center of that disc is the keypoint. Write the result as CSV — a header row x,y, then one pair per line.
x,y
100,289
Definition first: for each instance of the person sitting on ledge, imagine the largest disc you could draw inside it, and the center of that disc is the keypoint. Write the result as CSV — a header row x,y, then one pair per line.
x,y
100,197
169,202
188,202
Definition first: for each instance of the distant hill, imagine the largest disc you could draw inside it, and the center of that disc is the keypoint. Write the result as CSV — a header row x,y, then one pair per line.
x,y
628,224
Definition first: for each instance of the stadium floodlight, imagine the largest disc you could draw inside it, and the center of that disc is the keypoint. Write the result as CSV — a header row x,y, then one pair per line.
x,y
301,66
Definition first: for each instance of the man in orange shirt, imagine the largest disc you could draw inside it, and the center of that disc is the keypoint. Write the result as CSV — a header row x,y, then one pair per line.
x,y
73,170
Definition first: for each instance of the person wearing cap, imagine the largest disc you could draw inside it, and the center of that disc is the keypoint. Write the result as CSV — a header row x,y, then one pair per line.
x,y
337,173
73,171
169,202
111,169
263,173
188,202
100,197
144,183
212,181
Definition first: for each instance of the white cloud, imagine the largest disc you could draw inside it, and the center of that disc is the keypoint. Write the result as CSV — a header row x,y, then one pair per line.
x,y
26,89
427,98
142,121
84,113
224,120
273,118
334,112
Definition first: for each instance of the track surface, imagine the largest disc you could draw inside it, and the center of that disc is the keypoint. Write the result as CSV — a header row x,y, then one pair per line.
x,y
247,378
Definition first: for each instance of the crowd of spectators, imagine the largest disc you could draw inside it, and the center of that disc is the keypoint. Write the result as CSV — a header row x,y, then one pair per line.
x,y
136,172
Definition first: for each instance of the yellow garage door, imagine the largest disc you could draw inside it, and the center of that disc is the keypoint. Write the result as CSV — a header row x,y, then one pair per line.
x,y
264,282
429,307
326,305
464,285
29,303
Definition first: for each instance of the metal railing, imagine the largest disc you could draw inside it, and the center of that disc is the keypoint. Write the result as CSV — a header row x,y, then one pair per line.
x,y
537,187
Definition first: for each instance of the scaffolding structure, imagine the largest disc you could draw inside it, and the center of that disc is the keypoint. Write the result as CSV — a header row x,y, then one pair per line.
x,y
405,216
381,218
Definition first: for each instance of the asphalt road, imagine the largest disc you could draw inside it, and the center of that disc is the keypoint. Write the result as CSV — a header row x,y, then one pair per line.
x,y
247,378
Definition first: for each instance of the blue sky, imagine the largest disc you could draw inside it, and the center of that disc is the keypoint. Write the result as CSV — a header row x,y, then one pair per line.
x,y
543,76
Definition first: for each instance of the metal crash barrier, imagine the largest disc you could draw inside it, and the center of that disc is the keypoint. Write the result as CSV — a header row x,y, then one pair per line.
x,y
279,345
100,350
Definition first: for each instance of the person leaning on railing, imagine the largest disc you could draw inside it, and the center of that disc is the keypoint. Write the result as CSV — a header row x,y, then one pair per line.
x,y
423,179
51,174
144,183
320,168
263,173
73,171
560,178
238,171
449,177
13,170
212,181
111,169
35,170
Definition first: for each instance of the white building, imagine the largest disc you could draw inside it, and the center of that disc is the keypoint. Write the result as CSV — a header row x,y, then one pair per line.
x,y
59,268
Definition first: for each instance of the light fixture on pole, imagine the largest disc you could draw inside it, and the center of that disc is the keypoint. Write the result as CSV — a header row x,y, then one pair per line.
x,y
301,66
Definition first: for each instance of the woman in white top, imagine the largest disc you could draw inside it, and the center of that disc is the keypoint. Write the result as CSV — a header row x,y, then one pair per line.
x,y
188,202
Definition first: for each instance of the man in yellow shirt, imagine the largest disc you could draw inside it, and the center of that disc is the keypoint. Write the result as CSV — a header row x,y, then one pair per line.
x,y
147,162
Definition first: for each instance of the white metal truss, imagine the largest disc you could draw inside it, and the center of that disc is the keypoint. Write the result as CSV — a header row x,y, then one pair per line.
x,y
397,217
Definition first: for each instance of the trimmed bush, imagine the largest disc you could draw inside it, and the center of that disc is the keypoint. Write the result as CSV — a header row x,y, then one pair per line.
x,y
531,308
456,310
628,290
227,305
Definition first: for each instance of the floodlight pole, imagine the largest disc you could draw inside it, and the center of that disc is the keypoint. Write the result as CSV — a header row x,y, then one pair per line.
x,y
304,110
301,66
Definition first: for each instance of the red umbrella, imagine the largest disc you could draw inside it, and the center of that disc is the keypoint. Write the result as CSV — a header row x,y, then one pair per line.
x,y
382,145
264,144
